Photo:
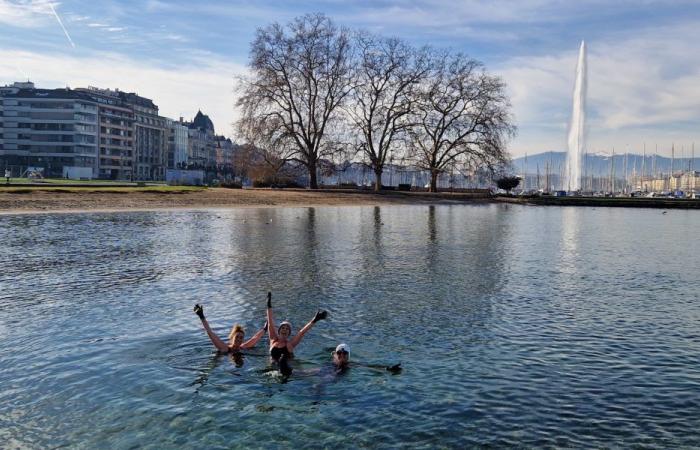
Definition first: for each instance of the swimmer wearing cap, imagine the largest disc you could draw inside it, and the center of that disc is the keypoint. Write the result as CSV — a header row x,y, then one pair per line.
x,y
281,343
341,356
341,361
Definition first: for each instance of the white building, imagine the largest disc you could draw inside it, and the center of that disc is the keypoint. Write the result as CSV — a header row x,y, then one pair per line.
x,y
177,143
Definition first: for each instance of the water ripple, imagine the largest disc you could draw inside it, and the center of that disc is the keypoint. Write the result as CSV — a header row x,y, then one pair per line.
x,y
516,327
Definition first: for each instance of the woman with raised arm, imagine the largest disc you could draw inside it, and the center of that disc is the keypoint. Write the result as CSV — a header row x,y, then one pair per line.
x,y
281,345
235,337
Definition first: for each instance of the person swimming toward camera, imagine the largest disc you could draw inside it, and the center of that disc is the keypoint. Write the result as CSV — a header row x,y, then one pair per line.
x,y
282,345
235,337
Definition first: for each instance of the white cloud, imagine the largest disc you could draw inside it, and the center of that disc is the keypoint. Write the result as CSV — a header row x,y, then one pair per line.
x,y
205,84
25,13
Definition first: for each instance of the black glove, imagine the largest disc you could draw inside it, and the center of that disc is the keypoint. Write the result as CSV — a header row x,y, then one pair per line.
x,y
199,310
265,326
396,368
320,315
269,300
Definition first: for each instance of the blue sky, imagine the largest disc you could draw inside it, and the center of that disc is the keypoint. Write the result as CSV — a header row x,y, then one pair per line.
x,y
644,67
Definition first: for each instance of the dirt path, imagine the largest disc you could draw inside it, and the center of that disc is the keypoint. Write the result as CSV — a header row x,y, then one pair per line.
x,y
47,201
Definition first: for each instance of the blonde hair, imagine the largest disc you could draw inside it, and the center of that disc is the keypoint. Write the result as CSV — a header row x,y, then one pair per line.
x,y
236,329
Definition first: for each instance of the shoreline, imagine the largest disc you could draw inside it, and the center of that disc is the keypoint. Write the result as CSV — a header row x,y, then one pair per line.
x,y
604,202
94,200
106,200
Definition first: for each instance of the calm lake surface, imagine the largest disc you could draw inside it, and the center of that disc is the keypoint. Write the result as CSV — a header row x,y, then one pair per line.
x,y
516,326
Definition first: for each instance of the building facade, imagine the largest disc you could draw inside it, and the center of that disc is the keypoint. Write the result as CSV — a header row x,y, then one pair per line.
x,y
115,134
224,156
201,145
103,133
690,181
177,143
150,138
48,131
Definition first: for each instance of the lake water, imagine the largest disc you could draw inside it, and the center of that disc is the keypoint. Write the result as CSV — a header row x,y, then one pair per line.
x,y
516,326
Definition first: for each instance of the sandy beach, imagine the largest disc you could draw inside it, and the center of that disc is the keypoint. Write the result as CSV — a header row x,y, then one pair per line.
x,y
96,200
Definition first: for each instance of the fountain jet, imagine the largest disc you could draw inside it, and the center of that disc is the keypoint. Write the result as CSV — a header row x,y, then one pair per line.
x,y
577,131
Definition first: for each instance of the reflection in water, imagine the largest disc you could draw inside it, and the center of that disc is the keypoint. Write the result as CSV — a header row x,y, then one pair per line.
x,y
432,227
309,252
378,227
569,239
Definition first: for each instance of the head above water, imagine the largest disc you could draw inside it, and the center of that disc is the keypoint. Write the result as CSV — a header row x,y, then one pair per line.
x,y
341,355
236,336
285,329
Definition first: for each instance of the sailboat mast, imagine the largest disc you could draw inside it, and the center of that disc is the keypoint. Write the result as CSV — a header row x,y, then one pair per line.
x,y
644,161
612,172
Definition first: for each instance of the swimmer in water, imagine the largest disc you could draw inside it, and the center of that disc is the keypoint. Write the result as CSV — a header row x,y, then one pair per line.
x,y
341,361
341,357
281,343
235,337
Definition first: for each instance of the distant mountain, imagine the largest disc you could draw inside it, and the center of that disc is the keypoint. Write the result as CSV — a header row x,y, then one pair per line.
x,y
598,165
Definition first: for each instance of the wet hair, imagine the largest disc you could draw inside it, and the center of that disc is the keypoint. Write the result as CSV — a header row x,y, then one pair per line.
x,y
236,329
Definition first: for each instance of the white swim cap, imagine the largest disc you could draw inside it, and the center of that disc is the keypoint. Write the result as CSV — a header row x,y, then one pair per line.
x,y
343,348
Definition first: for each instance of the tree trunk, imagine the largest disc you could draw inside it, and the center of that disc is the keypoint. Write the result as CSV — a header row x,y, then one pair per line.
x,y
377,180
433,181
313,181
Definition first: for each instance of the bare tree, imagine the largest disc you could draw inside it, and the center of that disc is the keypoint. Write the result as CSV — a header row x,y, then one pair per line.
x,y
300,76
387,72
462,115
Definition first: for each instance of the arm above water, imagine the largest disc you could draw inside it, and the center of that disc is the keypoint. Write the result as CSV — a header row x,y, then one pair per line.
x,y
250,343
396,368
320,315
272,332
216,340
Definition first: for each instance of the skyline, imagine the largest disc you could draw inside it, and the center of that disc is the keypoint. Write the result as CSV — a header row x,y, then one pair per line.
x,y
643,70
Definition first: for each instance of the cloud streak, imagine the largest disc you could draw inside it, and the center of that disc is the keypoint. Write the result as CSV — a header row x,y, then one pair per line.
x,y
60,22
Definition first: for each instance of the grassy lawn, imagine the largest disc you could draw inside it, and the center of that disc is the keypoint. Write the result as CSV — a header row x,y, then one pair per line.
x,y
65,181
164,189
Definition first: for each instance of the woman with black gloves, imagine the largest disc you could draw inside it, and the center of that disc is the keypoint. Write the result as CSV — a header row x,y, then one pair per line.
x,y
236,336
281,345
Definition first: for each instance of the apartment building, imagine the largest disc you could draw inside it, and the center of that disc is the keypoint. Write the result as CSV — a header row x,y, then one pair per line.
x,y
201,147
224,153
48,131
102,133
177,143
150,138
115,136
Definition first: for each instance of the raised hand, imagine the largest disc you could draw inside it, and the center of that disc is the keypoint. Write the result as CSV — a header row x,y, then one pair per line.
x,y
396,368
199,310
320,315
269,300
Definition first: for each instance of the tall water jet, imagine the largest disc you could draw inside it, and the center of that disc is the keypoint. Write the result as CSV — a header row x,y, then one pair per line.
x,y
577,131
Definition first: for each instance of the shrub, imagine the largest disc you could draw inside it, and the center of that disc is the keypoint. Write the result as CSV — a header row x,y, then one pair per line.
x,y
508,183
261,183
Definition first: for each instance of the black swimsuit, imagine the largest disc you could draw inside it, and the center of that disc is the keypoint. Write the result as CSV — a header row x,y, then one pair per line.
x,y
277,352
